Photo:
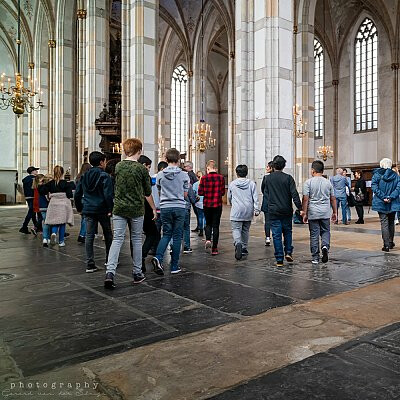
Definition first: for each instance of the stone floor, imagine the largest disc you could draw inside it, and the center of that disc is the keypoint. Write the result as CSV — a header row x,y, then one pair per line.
x,y
169,337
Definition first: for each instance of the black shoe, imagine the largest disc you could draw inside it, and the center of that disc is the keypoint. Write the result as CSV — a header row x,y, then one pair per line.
x,y
81,239
187,250
245,252
325,254
91,268
25,230
66,234
392,246
158,267
201,233
238,251
279,263
144,265
289,258
138,278
34,231
109,281
386,249
195,230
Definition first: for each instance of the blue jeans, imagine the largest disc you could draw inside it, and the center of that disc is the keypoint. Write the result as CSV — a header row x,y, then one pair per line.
x,y
82,232
61,231
172,220
46,228
342,201
186,230
278,227
200,218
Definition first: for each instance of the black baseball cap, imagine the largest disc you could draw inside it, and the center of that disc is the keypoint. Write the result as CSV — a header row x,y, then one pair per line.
x,y
31,169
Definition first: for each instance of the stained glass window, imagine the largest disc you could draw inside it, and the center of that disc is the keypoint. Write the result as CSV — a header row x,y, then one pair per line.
x,y
366,77
179,109
318,89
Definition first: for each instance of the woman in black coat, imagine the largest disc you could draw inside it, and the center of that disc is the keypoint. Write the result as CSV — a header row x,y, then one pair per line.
x,y
360,191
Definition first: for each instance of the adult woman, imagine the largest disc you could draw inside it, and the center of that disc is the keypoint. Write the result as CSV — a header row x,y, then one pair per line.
x,y
386,188
82,233
360,191
59,212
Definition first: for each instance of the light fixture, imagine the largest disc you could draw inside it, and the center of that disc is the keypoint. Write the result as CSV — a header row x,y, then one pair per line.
x,y
203,139
325,152
299,125
17,96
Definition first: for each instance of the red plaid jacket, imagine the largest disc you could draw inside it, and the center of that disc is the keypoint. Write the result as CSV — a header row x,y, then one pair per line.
x,y
212,187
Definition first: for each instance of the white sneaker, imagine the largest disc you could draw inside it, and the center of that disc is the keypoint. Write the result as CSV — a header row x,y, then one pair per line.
x,y
46,242
267,241
53,239
396,221
314,262
61,244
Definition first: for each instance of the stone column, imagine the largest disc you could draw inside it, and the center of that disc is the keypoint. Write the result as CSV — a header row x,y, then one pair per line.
x,y
395,155
96,68
139,75
264,83
335,84
81,94
51,134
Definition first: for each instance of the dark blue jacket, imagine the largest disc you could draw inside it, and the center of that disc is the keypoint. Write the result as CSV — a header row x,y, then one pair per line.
x,y
27,185
94,193
385,185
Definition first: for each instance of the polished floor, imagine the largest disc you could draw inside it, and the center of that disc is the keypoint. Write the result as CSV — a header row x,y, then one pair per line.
x,y
53,314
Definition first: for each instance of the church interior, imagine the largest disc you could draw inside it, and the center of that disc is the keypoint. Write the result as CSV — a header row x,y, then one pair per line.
x,y
237,82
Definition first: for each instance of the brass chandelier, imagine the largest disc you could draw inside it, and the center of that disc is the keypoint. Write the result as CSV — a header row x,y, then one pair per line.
x,y
203,139
16,95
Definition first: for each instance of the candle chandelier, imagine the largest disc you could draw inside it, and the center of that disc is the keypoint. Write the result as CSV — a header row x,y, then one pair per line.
x,y
299,125
203,139
16,95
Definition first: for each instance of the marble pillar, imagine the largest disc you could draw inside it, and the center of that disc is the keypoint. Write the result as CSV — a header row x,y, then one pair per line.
x,y
264,84
139,75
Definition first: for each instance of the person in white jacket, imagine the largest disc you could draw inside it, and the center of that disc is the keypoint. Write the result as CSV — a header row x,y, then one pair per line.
x,y
242,194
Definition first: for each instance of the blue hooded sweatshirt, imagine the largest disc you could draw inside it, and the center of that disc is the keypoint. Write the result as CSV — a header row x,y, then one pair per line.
x,y
385,185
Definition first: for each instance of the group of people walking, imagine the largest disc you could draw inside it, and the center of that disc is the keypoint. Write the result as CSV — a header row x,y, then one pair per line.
x,y
122,194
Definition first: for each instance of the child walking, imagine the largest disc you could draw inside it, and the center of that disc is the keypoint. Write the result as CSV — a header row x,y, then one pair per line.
x,y
173,184
242,194
318,197
40,204
59,211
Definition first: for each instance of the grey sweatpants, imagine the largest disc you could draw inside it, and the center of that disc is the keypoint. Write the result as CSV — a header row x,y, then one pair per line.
x,y
319,227
240,232
387,228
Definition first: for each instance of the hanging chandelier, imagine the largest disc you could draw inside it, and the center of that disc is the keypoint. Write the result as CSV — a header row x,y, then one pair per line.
x,y
299,125
203,139
325,152
16,95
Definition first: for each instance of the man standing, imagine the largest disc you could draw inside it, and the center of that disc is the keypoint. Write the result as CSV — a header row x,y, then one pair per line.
x,y
264,206
348,194
280,189
340,183
132,186
94,199
212,187
28,193
318,197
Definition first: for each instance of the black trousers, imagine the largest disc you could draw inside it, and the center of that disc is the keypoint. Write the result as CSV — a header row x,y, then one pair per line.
x,y
213,219
152,236
30,215
360,212
92,221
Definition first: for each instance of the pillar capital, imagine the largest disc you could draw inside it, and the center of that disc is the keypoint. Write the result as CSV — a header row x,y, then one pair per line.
x,y
81,13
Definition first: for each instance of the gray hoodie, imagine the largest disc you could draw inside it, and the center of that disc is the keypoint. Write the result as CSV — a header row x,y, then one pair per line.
x,y
172,183
339,183
242,194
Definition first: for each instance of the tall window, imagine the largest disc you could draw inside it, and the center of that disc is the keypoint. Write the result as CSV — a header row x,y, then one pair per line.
x,y
179,109
366,82
318,89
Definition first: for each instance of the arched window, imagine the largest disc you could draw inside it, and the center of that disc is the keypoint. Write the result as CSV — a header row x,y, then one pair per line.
x,y
318,89
179,109
366,77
